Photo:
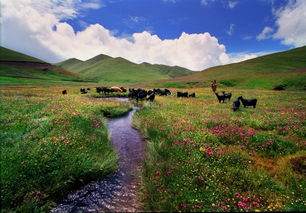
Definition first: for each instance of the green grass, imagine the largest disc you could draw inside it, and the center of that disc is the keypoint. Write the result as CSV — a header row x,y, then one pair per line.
x,y
202,156
10,55
51,144
36,72
264,72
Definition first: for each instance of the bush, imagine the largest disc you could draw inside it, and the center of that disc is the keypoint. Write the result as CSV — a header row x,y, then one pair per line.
x,y
280,87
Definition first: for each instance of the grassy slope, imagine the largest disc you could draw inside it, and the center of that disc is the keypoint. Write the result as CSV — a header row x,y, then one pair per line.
x,y
10,55
107,69
172,71
261,73
23,72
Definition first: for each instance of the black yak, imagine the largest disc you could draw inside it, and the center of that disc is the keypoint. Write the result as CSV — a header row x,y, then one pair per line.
x,y
248,102
182,94
227,95
236,105
220,97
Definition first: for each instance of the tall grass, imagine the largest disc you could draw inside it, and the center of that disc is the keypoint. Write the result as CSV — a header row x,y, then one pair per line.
x,y
202,156
51,144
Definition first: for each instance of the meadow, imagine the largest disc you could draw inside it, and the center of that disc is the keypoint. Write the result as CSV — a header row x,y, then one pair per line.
x,y
202,156
51,144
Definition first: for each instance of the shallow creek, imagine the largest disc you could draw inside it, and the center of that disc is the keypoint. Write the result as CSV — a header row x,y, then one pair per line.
x,y
118,191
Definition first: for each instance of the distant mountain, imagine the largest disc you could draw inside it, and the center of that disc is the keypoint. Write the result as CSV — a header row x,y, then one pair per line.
x,y
18,68
286,68
106,69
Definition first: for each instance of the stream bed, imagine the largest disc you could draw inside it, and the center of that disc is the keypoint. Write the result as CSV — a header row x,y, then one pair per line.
x,y
118,192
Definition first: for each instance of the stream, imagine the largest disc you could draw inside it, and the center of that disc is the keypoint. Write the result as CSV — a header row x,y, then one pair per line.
x,y
118,191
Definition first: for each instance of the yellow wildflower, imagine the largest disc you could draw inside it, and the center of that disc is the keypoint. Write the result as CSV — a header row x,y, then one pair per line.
x,y
202,149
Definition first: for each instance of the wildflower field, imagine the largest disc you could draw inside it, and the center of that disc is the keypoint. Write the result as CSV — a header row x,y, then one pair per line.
x,y
51,144
202,156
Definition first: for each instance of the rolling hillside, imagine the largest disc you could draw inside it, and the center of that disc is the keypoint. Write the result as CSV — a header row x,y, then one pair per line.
x,y
106,69
266,72
18,68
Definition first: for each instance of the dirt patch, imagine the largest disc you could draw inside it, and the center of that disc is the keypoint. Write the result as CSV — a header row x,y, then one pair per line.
x,y
26,64
299,164
297,71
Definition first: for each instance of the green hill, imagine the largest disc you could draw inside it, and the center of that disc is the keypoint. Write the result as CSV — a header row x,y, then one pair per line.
x,y
266,72
108,70
18,68
11,55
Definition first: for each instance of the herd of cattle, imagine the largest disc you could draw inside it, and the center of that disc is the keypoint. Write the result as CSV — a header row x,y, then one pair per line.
x,y
149,95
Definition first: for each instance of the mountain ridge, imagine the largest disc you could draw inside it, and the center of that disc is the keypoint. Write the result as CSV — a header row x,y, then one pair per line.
x,y
105,69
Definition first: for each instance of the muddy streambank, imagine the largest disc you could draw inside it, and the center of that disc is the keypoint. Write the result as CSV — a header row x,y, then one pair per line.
x,y
118,192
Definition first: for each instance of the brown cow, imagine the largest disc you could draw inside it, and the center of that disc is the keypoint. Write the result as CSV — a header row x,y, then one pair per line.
x,y
115,89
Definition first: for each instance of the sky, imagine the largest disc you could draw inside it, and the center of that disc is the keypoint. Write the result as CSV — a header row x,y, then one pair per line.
x,y
195,34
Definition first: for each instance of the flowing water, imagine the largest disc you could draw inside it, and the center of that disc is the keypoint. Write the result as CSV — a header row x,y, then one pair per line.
x,y
118,191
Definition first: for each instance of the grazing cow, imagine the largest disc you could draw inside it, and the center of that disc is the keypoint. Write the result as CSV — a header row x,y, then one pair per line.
x,y
248,102
161,92
167,92
220,97
227,95
88,88
123,89
138,94
236,105
142,94
150,92
83,91
192,95
64,92
103,89
151,97
115,89
182,94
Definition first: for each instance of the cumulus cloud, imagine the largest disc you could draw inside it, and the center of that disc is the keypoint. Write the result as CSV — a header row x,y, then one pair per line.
x,y
40,30
265,33
291,22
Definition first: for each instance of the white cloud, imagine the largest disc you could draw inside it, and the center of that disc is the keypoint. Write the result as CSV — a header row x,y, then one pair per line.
x,y
291,22
265,33
137,19
230,31
206,2
28,28
232,4
242,56
39,30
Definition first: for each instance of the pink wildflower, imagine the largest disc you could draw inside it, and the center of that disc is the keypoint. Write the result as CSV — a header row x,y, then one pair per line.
x,y
157,172
209,151
241,204
200,178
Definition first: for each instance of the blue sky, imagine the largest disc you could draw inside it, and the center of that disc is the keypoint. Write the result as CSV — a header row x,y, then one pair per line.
x,y
168,19
196,34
